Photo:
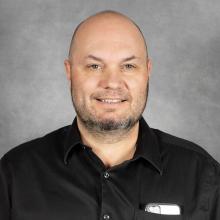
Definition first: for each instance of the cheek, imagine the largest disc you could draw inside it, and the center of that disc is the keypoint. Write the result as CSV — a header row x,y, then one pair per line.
x,y
138,86
83,86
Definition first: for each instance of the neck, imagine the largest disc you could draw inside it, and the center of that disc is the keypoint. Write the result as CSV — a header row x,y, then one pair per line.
x,y
112,147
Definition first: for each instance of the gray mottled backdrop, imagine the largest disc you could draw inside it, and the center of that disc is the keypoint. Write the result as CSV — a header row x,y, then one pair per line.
x,y
184,44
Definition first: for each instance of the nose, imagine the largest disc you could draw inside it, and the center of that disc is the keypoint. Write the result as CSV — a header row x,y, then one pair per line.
x,y
111,79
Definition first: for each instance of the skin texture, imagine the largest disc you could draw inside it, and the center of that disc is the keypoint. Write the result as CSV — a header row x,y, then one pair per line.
x,y
109,61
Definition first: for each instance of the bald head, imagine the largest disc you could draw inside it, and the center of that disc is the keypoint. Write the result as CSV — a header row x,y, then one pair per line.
x,y
100,22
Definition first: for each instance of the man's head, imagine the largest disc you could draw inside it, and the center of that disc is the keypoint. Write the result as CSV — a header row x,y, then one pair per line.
x,y
109,69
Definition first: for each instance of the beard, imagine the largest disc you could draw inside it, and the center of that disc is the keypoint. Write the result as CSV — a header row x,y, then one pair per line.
x,y
109,125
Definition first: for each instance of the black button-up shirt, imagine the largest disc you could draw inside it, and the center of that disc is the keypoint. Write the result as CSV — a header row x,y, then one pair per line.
x,y
56,177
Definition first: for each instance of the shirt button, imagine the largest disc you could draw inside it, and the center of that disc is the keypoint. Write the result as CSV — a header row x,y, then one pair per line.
x,y
106,216
106,175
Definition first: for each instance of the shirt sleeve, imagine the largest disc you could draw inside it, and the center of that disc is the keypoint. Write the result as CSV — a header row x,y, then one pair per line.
x,y
4,192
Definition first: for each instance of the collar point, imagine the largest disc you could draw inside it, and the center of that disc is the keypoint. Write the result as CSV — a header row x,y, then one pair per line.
x,y
65,160
161,171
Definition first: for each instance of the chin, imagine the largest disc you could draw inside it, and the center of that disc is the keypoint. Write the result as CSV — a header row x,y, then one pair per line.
x,y
113,117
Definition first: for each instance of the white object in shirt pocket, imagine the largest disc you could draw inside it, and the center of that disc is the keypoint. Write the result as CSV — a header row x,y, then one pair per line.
x,y
144,215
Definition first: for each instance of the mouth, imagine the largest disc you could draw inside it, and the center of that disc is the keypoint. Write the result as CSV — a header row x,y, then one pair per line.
x,y
111,101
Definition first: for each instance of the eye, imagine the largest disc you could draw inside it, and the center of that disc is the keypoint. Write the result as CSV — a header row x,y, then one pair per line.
x,y
93,66
129,66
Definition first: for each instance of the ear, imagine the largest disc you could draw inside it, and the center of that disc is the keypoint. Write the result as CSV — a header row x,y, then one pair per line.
x,y
67,65
149,66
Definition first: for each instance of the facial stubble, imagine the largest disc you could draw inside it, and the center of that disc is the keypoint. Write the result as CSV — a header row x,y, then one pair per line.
x,y
107,126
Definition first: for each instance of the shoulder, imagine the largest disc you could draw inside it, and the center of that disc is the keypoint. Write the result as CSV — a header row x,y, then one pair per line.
x,y
185,151
45,145
177,143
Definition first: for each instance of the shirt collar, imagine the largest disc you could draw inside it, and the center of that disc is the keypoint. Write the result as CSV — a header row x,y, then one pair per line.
x,y
147,144
72,139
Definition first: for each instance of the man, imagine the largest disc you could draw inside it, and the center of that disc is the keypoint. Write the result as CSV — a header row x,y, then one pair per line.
x,y
109,164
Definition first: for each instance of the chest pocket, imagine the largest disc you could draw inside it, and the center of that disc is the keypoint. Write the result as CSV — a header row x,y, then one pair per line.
x,y
142,215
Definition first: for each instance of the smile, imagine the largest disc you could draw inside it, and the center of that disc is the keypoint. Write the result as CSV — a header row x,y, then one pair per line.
x,y
111,101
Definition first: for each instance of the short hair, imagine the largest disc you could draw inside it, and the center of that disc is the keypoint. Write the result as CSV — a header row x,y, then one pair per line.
x,y
99,13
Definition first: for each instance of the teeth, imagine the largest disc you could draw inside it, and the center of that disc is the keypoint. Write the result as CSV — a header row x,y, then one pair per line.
x,y
111,100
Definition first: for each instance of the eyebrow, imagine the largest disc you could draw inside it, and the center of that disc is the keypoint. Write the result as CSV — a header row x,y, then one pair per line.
x,y
90,56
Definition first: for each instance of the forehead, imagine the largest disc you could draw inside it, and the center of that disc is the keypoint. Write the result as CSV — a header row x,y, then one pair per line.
x,y
113,35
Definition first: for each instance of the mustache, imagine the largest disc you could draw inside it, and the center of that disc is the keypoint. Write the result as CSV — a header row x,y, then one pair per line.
x,y
119,94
